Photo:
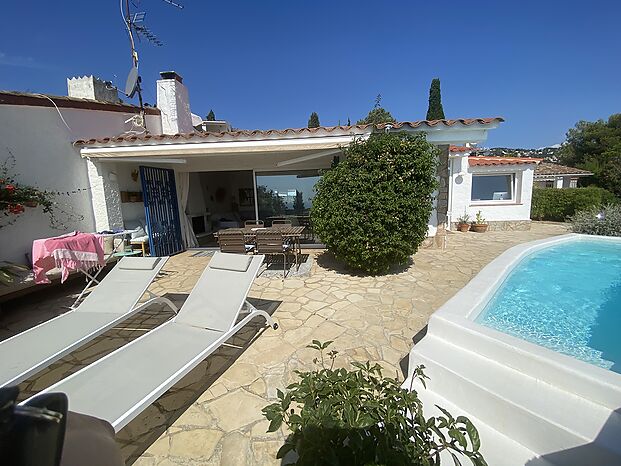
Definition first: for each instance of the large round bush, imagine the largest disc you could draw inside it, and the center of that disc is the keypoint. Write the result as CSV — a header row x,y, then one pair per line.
x,y
371,210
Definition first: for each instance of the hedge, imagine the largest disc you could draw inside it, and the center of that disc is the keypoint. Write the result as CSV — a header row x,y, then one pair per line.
x,y
559,204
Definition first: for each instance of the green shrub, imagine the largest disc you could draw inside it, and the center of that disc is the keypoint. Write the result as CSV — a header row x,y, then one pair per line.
x,y
372,209
596,221
359,417
559,204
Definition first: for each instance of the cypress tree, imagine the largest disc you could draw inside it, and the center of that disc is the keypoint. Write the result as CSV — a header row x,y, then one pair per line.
x,y
211,116
313,121
435,110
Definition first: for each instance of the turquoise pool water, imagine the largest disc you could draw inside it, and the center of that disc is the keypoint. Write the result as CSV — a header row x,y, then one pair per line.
x,y
566,298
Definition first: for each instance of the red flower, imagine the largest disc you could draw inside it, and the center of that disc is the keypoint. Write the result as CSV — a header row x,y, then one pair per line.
x,y
10,188
16,208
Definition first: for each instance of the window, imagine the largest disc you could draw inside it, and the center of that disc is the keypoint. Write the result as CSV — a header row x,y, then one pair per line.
x,y
492,187
573,183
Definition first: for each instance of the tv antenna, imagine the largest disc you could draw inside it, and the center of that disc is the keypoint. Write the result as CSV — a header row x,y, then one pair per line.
x,y
134,23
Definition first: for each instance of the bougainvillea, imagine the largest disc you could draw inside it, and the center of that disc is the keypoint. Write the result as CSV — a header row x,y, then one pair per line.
x,y
16,197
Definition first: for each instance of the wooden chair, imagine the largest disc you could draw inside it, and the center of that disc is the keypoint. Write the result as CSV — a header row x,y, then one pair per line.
x,y
234,242
308,227
281,223
272,243
254,223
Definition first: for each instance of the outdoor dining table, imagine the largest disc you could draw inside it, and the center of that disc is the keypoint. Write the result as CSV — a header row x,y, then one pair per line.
x,y
288,231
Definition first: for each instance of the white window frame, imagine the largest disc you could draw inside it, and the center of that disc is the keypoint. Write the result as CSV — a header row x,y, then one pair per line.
x,y
514,182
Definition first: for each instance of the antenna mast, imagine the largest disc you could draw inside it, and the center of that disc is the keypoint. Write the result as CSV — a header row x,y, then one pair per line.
x,y
134,24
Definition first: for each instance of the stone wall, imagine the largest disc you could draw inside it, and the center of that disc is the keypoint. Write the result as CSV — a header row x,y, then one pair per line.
x,y
504,225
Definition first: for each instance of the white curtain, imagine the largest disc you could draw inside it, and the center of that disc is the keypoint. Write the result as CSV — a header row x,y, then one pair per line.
x,y
183,189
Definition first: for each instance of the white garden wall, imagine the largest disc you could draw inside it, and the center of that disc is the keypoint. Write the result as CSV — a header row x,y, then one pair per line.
x,y
46,158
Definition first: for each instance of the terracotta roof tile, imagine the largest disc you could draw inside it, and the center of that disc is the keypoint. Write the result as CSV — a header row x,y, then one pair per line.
x,y
550,169
462,149
489,161
288,132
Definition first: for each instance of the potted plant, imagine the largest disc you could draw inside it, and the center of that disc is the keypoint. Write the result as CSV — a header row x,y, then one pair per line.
x,y
479,224
463,222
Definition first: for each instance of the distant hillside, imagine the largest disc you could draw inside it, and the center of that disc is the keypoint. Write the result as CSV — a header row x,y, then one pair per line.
x,y
550,154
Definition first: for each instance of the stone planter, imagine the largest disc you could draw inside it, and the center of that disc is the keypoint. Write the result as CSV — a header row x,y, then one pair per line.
x,y
463,227
479,227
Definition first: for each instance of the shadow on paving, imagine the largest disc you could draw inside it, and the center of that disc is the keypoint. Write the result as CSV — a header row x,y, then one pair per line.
x,y
326,260
126,331
147,427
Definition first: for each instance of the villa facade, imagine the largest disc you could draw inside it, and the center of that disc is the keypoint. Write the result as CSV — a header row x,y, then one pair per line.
x,y
217,177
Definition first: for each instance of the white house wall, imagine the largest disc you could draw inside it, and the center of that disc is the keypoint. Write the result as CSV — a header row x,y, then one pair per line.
x,y
516,211
46,158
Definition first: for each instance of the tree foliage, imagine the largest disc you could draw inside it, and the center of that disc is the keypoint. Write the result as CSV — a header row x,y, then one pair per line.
x,y
211,116
377,114
313,120
371,209
596,146
359,417
269,202
298,204
435,110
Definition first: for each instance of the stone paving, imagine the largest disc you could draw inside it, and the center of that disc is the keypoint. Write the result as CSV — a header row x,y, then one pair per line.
x,y
213,415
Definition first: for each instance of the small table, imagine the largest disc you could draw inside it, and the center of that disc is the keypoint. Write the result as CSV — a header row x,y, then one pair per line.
x,y
127,253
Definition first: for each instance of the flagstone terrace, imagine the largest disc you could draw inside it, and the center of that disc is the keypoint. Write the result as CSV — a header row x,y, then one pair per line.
x,y
213,415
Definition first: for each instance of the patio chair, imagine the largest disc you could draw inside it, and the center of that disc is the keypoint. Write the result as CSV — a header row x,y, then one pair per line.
x,y
271,243
111,302
281,223
254,223
123,383
234,242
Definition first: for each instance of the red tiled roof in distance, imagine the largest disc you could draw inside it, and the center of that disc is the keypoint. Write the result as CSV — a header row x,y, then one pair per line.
x,y
290,132
462,149
550,169
490,161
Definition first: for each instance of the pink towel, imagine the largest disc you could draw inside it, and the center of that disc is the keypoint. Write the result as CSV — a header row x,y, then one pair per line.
x,y
73,251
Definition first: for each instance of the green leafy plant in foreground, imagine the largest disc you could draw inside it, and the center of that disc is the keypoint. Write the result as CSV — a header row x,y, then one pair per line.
x,y
360,417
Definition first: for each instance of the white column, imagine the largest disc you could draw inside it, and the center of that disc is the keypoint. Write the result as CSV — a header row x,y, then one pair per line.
x,y
106,197
256,197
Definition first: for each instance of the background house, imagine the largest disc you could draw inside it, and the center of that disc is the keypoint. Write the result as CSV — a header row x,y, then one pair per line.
x,y
554,175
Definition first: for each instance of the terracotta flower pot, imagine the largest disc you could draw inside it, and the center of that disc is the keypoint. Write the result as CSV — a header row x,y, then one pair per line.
x,y
31,204
463,227
479,227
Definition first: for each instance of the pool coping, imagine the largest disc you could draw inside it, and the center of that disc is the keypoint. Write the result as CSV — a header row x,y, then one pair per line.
x,y
454,321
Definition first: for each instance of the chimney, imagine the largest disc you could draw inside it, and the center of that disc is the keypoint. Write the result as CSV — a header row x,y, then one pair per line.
x,y
174,104
90,87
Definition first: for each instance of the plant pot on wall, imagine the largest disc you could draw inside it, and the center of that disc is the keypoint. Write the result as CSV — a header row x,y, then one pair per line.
x,y
479,227
463,227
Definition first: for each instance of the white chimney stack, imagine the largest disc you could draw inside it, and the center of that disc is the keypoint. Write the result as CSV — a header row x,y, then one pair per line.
x,y
174,104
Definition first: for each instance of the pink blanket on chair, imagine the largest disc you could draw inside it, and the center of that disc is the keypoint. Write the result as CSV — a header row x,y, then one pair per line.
x,y
73,251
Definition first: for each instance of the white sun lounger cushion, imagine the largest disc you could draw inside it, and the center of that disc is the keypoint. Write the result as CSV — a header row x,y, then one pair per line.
x,y
232,262
138,263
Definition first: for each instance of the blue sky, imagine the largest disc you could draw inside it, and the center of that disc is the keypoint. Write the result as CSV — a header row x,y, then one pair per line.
x,y
542,65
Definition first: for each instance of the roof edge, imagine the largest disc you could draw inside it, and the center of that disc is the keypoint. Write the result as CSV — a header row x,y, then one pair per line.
x,y
292,132
45,100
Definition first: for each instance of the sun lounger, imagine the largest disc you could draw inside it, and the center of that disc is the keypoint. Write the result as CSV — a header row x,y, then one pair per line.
x,y
109,303
120,385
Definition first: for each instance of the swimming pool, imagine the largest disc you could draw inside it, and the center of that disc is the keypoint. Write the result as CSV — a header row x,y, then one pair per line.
x,y
565,297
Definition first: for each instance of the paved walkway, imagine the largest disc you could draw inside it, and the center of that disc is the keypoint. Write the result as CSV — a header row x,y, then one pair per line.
x,y
213,416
